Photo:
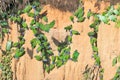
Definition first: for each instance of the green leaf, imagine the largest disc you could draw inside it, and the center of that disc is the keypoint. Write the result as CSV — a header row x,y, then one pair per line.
x,y
75,55
46,27
116,12
39,49
30,14
91,34
52,24
3,23
46,44
93,25
34,43
50,52
69,39
96,29
112,18
59,63
52,66
19,12
79,12
22,42
8,45
13,18
72,18
27,9
65,50
45,18
34,31
15,44
114,62
89,14
38,58
95,49
53,58
110,11
66,57
19,53
32,22
5,30
93,40
68,28
81,19
37,13
75,32
97,60
103,19
24,24
47,69
18,19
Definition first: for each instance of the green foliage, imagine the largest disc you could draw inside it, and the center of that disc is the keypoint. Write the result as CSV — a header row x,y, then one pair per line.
x,y
103,19
114,62
117,75
72,18
89,14
59,63
24,25
69,39
95,49
27,9
30,14
34,42
38,58
4,30
97,59
45,18
5,66
41,44
75,55
19,53
68,28
113,18
109,15
8,46
80,14
3,23
45,27
74,32
91,34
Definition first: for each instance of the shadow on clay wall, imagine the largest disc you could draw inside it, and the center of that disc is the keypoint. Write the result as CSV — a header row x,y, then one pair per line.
x,y
64,5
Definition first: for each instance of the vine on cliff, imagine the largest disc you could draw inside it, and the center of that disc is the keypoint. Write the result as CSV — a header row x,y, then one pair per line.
x,y
39,42
109,15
